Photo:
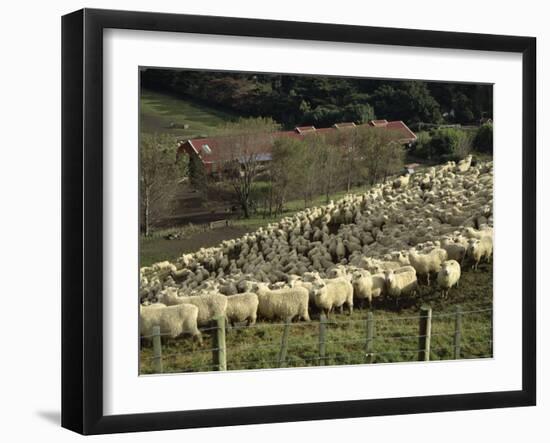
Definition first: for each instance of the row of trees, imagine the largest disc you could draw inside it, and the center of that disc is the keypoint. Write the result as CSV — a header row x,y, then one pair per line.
x,y
323,100
323,164
316,164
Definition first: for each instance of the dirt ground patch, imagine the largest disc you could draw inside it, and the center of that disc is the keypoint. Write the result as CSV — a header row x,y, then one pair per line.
x,y
157,249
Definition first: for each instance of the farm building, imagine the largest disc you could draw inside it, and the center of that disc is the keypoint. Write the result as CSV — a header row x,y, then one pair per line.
x,y
212,151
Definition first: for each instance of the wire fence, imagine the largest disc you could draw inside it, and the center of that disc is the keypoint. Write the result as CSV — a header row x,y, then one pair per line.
x,y
373,338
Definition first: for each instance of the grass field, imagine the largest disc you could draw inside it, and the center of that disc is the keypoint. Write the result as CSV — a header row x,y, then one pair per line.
x,y
163,113
395,334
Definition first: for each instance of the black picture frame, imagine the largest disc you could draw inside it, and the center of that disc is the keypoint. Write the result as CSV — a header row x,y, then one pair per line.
x,y
82,218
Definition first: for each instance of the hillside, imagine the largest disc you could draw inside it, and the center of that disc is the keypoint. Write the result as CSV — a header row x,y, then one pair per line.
x,y
373,237
164,113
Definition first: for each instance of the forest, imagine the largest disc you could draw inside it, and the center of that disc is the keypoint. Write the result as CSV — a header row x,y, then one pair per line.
x,y
293,100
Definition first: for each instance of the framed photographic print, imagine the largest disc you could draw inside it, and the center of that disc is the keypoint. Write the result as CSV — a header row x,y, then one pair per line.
x,y
270,221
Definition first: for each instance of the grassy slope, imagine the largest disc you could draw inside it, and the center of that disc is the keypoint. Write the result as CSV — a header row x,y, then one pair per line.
x,y
395,334
158,110
156,248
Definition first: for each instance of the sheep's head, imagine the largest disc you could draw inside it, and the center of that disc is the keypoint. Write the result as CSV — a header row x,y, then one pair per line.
x,y
446,268
258,287
389,276
335,272
473,245
375,268
311,276
319,290
441,253
163,295
278,285
359,274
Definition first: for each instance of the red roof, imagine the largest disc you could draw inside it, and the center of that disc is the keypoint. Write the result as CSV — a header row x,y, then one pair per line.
x,y
304,129
378,123
397,126
344,125
215,148
210,150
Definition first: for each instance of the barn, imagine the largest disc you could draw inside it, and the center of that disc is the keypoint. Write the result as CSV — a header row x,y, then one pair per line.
x,y
211,151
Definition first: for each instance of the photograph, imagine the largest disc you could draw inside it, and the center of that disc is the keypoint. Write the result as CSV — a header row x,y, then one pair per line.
x,y
304,220
269,222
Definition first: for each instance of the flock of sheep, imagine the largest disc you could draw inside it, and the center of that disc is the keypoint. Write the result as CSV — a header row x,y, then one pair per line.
x,y
380,244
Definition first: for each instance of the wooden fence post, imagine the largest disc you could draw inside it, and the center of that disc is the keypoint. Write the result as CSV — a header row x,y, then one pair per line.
x,y
369,345
220,354
322,339
424,333
458,332
284,343
157,350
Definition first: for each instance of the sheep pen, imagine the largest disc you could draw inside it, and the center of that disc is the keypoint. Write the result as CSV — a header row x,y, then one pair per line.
x,y
383,229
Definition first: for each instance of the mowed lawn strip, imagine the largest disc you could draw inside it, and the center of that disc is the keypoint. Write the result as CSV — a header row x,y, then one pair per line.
x,y
184,118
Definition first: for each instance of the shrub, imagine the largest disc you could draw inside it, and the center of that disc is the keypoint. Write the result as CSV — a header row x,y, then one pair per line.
x,y
443,141
443,144
463,147
450,144
422,146
483,140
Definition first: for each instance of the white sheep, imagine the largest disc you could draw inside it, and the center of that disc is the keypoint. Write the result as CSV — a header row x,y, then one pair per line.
x,y
464,164
172,320
424,264
367,286
379,266
400,257
361,281
211,305
401,282
242,307
148,305
334,293
448,276
308,285
165,266
472,233
401,182
455,250
479,249
338,271
282,304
